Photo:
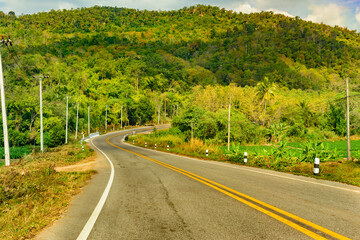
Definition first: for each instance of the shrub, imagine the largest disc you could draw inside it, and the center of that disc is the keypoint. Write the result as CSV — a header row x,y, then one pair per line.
x,y
56,136
336,120
17,138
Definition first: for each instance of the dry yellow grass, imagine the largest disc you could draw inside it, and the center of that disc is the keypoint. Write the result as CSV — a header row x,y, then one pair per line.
x,y
33,194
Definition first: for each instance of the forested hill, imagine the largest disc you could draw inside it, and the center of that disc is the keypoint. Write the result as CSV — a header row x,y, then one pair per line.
x,y
142,59
196,45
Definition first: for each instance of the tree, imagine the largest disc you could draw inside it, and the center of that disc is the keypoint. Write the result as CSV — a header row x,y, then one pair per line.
x,y
265,91
336,120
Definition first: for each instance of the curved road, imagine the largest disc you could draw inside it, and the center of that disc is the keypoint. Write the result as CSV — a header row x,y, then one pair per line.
x,y
155,195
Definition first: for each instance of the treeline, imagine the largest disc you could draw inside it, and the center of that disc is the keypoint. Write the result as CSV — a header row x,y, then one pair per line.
x,y
263,114
145,64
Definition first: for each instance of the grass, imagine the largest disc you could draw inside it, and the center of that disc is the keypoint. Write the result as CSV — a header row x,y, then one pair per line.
x,y
33,194
295,158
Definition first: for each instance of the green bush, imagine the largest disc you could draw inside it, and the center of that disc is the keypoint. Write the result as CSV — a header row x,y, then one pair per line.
x,y
17,138
297,130
336,120
56,136
242,129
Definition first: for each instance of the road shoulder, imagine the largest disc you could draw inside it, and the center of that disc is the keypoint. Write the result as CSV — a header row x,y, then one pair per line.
x,y
70,224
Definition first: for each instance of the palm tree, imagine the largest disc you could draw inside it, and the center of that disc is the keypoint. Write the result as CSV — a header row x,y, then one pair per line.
x,y
266,90
305,113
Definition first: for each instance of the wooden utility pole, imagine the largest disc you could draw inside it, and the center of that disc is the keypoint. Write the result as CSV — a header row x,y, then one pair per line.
x,y
348,120
229,123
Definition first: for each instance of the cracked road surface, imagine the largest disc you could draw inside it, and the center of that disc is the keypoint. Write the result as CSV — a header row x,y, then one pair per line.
x,y
156,195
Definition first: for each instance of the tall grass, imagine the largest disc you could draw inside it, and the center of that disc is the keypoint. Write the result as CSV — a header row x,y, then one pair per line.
x,y
177,144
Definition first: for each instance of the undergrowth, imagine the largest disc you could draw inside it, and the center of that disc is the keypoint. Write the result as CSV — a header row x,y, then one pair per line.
x,y
16,152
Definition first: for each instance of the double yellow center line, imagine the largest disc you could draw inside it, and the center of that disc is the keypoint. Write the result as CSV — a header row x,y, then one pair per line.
x,y
311,229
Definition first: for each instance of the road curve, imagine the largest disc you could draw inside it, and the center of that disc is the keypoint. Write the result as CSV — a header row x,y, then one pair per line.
x,y
156,195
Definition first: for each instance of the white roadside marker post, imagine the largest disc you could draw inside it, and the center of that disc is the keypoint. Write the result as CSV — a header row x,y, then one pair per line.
x,y
168,147
316,166
245,157
155,145
207,152
145,144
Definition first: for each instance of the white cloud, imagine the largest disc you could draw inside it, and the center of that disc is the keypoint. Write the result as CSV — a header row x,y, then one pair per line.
x,y
66,5
293,4
277,11
247,8
331,14
357,15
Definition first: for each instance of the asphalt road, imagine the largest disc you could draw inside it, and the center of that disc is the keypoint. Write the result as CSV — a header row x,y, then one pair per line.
x,y
155,195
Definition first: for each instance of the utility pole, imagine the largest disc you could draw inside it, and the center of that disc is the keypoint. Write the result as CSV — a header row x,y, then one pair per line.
x,y
192,132
121,117
77,120
165,109
41,115
89,120
4,117
229,123
67,118
106,119
348,120
41,119
159,114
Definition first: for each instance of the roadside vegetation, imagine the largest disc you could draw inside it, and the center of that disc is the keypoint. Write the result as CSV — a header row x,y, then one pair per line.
x,y
33,194
296,158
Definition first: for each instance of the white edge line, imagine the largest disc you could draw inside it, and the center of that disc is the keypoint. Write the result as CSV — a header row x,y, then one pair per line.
x,y
249,170
85,232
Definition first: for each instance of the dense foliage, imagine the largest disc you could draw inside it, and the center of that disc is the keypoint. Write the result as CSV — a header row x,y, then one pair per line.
x,y
153,65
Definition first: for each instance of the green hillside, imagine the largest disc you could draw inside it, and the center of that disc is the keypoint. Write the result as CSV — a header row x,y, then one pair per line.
x,y
151,60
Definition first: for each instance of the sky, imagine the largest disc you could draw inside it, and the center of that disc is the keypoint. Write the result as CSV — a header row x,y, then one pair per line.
x,y
344,13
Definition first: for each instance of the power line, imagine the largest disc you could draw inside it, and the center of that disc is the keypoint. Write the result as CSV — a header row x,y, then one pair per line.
x,y
17,59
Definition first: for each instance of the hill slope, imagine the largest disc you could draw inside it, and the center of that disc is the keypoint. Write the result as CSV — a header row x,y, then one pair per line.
x,y
146,59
